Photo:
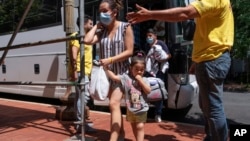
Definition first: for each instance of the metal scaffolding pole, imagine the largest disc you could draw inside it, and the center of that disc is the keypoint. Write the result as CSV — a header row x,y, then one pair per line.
x,y
69,28
40,83
82,54
24,45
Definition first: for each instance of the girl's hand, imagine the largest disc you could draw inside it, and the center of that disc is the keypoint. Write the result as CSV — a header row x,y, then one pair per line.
x,y
138,77
105,68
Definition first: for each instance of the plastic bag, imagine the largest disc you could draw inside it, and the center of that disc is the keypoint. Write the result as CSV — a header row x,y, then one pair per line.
x,y
99,84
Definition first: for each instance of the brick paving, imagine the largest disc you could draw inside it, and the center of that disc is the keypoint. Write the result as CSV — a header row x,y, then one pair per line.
x,y
26,121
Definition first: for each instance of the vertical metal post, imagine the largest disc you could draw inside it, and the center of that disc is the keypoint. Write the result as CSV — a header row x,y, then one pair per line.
x,y
248,56
172,27
82,54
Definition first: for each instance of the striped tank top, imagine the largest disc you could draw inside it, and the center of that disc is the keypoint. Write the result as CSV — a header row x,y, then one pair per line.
x,y
111,47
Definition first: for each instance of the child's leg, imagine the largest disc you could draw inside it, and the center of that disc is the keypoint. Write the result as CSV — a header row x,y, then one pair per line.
x,y
138,130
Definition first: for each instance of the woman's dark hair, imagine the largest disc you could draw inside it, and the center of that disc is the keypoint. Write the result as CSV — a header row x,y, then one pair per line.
x,y
138,57
114,4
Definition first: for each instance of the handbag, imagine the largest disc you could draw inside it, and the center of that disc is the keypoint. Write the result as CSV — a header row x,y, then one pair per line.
x,y
158,90
99,84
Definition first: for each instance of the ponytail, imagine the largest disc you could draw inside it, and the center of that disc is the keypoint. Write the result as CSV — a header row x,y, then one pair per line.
x,y
138,56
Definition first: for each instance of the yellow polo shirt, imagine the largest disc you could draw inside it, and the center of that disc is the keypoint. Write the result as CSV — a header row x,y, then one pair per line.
x,y
214,32
87,53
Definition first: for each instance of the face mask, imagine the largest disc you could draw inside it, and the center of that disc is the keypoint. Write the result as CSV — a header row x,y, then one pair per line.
x,y
150,40
105,18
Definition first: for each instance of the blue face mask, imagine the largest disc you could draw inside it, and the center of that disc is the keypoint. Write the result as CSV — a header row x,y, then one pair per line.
x,y
150,40
105,18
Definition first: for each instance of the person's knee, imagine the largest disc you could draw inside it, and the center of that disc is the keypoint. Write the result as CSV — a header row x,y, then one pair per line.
x,y
115,100
140,126
114,104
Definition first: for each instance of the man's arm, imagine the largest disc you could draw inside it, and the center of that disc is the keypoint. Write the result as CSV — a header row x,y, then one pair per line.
x,y
92,36
169,15
73,59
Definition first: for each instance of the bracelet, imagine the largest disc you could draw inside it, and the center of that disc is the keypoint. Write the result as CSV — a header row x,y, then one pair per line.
x,y
111,60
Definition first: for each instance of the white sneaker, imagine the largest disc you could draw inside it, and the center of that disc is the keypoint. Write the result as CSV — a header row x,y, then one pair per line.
x,y
158,118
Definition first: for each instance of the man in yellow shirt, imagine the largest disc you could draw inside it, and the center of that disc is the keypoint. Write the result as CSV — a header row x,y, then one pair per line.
x,y
213,40
75,67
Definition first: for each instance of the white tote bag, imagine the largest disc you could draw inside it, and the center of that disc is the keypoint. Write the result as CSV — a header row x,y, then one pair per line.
x,y
99,84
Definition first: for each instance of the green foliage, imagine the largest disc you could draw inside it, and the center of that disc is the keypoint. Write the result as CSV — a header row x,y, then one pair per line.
x,y
11,12
242,28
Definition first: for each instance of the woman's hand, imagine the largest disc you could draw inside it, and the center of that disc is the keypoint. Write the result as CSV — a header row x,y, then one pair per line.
x,y
105,62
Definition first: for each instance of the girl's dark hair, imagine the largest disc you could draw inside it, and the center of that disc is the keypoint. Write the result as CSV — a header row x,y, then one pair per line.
x,y
114,4
138,57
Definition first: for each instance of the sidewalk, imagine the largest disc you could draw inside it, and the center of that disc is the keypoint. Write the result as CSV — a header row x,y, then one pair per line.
x,y
26,121
235,87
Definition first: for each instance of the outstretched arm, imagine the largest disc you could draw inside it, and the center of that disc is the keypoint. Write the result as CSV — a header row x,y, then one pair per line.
x,y
169,15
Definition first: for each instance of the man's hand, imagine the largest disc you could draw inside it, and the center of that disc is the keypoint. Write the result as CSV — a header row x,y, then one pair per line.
x,y
99,27
73,76
192,69
141,15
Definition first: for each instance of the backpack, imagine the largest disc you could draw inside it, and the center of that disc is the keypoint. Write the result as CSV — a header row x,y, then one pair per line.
x,y
189,30
158,90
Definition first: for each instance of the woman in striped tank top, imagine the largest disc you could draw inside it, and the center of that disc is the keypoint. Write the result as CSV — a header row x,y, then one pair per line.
x,y
116,46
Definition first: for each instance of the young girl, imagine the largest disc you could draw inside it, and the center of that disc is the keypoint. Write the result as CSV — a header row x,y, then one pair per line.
x,y
135,87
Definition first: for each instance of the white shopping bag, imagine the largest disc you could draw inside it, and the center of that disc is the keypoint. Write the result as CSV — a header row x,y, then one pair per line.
x,y
99,84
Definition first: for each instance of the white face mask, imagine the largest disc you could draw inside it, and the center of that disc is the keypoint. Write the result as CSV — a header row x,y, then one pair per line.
x,y
150,40
105,18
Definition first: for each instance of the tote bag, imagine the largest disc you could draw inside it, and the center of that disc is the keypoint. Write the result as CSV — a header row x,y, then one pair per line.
x,y
158,90
99,84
